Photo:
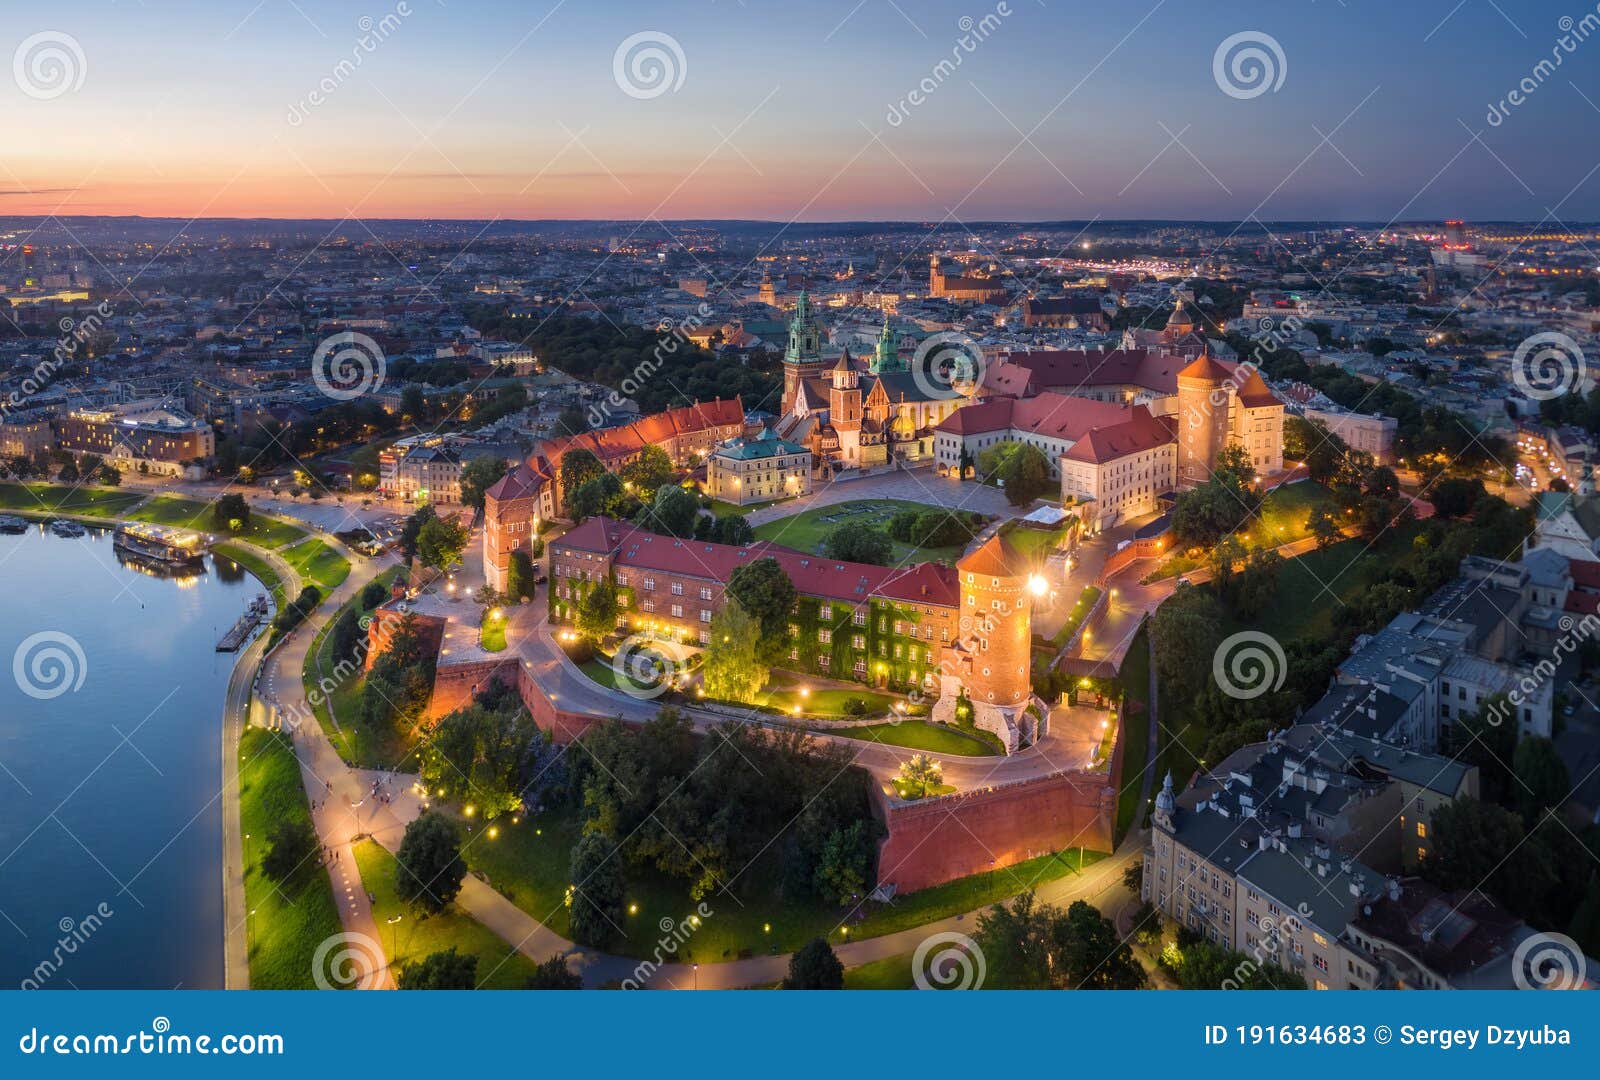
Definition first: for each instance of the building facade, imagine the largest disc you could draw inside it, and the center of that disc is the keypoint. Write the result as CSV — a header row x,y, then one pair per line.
x,y
743,471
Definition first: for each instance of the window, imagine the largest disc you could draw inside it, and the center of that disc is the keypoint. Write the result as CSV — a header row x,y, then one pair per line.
x,y
677,588
858,642
794,631
860,618
705,615
824,637
650,584
677,611
705,592
825,611
1422,831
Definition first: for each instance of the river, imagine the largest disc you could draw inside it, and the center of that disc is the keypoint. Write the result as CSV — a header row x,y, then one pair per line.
x,y
111,696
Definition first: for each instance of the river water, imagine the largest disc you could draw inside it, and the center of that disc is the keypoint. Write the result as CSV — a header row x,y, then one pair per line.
x,y
111,696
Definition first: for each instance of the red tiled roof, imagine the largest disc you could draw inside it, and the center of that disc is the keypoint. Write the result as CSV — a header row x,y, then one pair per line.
x,y
1138,433
995,557
813,575
1070,369
520,483
1585,573
1204,367
1053,415
653,430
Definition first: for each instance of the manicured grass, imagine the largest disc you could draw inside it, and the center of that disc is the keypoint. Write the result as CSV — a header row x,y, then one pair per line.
x,y
936,789
918,735
492,634
826,701
287,921
1080,611
416,936
193,514
1036,544
62,498
255,565
1314,585
806,531
893,973
318,564
528,863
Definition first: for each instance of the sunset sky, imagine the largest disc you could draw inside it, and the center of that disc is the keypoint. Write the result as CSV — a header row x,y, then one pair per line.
x,y
477,109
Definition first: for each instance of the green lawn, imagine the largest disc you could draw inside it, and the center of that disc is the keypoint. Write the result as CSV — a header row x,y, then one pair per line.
x,y
920,735
415,936
356,745
58,498
1314,585
528,864
807,530
286,922
1075,617
318,564
256,565
1036,544
193,514
893,973
492,634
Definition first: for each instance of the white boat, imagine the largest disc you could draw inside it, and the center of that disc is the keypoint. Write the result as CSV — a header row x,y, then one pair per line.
x,y
69,529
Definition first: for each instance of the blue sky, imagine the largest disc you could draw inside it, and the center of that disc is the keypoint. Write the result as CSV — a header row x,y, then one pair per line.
x,y
480,109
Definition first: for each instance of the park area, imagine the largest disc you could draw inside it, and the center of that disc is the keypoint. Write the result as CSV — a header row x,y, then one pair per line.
x,y
808,531
181,513
63,499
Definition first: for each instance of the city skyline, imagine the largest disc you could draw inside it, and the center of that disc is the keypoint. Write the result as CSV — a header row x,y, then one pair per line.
x,y
840,112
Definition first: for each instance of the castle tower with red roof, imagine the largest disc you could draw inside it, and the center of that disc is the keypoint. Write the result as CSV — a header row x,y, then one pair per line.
x,y
988,665
1204,420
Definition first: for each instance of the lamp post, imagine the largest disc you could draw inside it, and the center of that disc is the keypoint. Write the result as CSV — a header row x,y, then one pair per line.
x,y
696,975
393,934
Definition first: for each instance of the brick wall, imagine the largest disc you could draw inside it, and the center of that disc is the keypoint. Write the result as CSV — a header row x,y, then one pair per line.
x,y
937,840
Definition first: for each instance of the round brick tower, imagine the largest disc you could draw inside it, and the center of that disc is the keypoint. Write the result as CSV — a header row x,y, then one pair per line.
x,y
989,663
1204,419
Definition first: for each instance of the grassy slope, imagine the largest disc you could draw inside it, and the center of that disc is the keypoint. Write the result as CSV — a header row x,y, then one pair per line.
x,y
355,745
415,936
528,864
318,564
184,513
806,531
290,920
63,498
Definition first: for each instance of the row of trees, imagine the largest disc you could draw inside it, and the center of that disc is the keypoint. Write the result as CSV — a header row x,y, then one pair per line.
x,y
705,811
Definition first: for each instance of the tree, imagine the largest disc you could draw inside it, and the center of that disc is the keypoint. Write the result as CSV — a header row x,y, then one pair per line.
x,y
1234,461
596,894
733,668
1013,939
483,751
596,616
411,531
1542,780
447,970
478,476
521,581
651,470
291,843
601,495
1026,475
814,967
429,868
554,974
857,541
578,467
69,473
373,593
108,475
919,775
845,865
729,529
1487,739
441,541
1187,630
1472,845
412,403
1324,527
768,595
1455,496
1087,954
673,512
231,513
